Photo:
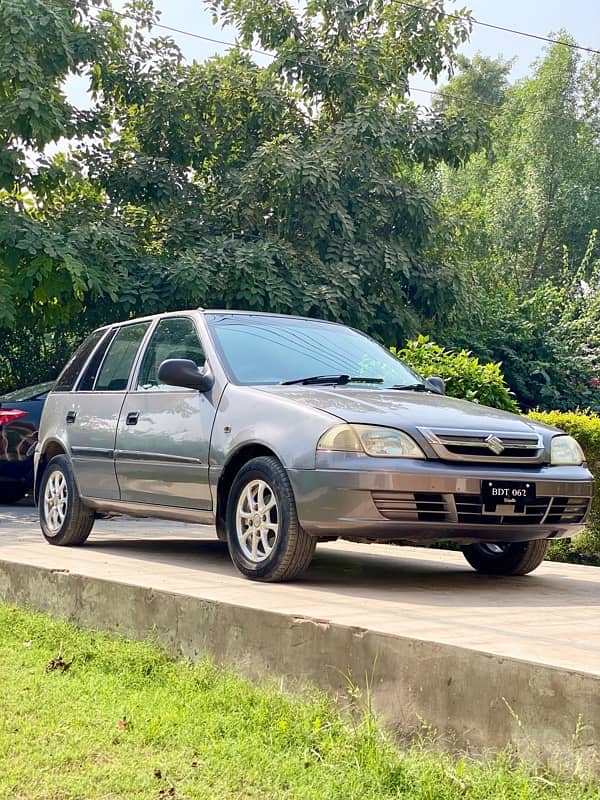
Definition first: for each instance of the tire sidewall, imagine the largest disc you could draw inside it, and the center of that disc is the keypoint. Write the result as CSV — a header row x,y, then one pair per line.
x,y
507,563
58,463
246,475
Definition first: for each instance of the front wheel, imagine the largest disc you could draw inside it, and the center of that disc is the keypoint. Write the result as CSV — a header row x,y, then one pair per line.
x,y
506,558
265,539
64,519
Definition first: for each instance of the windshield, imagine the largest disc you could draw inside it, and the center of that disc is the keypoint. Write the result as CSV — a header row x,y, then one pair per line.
x,y
267,350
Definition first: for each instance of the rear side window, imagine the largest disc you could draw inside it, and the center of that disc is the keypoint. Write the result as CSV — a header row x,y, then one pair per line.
x,y
88,379
114,372
66,379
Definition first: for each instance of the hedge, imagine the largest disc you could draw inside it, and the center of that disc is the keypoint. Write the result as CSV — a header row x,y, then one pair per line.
x,y
585,427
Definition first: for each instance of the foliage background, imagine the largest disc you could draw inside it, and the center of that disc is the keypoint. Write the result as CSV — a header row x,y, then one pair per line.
x,y
465,376
311,185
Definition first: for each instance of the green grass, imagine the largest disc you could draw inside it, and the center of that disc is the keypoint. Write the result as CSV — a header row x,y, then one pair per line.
x,y
127,721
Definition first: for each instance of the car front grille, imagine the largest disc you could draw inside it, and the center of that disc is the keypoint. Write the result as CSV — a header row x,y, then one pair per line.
x,y
485,446
468,509
568,509
409,506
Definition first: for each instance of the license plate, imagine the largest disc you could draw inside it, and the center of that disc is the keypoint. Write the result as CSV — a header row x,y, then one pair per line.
x,y
494,493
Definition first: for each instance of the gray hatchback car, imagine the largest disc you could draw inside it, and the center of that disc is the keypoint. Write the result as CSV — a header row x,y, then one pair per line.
x,y
285,431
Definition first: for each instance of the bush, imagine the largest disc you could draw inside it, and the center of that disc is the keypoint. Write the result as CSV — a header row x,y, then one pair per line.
x,y
585,427
465,376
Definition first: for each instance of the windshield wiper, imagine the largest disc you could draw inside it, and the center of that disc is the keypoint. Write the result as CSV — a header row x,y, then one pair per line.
x,y
336,380
413,387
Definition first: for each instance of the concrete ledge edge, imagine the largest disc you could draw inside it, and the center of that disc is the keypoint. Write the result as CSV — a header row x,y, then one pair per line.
x,y
473,700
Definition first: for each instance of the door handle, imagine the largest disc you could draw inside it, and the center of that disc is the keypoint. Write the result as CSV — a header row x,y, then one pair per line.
x,y
71,416
132,418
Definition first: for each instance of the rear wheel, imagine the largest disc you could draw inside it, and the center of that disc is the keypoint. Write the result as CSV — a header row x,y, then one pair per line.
x,y
264,536
64,519
506,558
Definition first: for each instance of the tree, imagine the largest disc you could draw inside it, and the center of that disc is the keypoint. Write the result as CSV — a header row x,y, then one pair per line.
x,y
40,264
292,187
525,212
541,172
477,93
62,248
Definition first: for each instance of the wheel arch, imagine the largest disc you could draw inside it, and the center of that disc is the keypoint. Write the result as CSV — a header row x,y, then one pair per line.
x,y
52,447
234,463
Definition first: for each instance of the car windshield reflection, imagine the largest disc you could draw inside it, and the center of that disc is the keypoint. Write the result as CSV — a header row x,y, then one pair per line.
x,y
281,350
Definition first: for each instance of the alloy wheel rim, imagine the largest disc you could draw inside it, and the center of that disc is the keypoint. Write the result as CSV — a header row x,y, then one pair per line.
x,y
257,521
491,549
56,500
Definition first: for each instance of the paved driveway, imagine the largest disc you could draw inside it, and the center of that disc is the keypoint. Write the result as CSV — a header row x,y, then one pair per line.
x,y
551,616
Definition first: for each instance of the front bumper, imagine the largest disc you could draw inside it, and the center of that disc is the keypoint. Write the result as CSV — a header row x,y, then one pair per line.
x,y
357,496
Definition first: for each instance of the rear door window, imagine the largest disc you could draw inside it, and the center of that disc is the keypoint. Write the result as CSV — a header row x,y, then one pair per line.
x,y
116,367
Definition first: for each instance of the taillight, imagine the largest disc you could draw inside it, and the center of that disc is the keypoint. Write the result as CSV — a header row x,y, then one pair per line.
x,y
10,415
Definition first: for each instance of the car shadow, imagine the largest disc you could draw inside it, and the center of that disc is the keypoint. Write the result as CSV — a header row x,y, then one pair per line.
x,y
390,577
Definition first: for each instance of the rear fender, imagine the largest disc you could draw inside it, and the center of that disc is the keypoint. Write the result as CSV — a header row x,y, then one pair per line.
x,y
43,455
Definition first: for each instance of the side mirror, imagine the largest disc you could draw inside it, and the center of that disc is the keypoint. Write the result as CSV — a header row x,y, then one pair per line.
x,y
184,372
437,384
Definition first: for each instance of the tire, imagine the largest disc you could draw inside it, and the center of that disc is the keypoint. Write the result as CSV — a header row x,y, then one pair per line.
x,y
64,520
10,494
514,558
278,550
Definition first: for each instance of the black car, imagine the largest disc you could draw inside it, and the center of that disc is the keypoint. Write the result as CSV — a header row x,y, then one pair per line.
x,y
20,413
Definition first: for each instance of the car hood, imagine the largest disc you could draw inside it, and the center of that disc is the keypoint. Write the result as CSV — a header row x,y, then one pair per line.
x,y
406,410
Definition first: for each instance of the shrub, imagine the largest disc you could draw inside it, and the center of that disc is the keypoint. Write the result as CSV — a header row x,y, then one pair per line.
x,y
464,374
585,427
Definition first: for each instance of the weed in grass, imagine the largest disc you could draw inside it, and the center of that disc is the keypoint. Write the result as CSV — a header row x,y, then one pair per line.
x,y
127,721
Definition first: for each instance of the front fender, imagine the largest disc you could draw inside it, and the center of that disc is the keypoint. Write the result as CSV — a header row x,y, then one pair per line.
x,y
248,416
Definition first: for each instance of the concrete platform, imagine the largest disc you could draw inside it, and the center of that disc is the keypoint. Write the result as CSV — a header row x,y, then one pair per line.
x,y
486,662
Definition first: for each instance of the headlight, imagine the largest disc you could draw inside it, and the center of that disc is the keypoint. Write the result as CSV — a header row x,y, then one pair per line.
x,y
565,450
372,440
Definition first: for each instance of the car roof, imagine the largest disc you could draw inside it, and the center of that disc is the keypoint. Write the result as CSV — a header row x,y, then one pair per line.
x,y
247,313
210,311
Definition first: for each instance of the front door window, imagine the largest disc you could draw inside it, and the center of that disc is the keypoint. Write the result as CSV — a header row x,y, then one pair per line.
x,y
174,337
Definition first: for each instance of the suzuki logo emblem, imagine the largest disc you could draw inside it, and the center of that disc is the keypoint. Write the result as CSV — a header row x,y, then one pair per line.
x,y
495,444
